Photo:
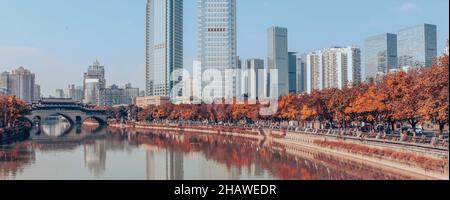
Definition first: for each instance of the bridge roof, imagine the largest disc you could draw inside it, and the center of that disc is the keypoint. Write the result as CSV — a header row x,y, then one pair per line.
x,y
54,101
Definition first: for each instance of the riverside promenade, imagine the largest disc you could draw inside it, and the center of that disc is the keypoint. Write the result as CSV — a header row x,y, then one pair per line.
x,y
423,161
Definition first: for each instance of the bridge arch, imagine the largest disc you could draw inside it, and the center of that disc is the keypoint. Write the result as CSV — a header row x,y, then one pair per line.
x,y
68,118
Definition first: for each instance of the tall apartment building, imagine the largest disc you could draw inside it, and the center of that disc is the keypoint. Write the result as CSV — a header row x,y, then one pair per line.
x,y
21,84
314,71
333,68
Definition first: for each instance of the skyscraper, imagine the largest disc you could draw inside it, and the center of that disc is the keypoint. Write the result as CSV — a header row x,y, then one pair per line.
x,y
277,48
254,88
37,92
417,46
301,73
380,54
94,80
292,72
21,84
164,47
217,44
75,93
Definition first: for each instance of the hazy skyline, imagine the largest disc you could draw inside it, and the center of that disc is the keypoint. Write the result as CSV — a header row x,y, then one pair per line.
x,y
58,40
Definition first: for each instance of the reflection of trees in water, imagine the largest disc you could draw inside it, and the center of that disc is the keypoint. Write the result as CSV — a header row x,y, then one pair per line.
x,y
14,159
244,153
360,170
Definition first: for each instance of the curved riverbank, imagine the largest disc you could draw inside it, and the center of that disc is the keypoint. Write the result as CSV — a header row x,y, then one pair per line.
x,y
295,141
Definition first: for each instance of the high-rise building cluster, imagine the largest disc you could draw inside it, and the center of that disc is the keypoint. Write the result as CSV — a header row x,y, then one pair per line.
x,y
333,67
411,47
95,91
218,72
20,83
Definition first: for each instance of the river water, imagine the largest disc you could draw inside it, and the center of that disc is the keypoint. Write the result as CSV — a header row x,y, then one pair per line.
x,y
80,153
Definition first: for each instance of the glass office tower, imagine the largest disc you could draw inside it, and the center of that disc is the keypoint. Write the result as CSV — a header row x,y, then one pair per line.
x,y
164,47
417,46
380,54
293,72
278,57
217,43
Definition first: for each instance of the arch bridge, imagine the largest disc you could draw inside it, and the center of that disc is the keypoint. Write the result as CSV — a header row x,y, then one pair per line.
x,y
75,112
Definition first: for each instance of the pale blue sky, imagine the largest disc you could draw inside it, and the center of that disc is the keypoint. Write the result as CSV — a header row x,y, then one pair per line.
x,y
59,39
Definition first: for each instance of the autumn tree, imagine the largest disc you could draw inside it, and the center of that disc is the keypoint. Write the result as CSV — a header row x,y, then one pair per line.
x,y
434,105
368,105
11,110
288,108
406,105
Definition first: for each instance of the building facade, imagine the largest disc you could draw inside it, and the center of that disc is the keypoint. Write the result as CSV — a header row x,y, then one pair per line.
x,y
4,77
131,93
314,71
278,58
59,93
292,72
21,84
333,67
94,81
217,45
255,85
144,102
380,54
75,93
112,96
417,46
341,66
37,92
301,73
164,47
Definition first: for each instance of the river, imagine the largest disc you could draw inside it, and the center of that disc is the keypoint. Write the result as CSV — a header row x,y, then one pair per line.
x,y
80,153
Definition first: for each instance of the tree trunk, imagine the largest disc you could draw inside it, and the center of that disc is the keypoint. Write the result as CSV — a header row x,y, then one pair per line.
x,y
413,124
441,129
392,126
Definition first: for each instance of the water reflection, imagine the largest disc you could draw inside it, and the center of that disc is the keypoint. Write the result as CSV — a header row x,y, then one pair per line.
x,y
131,154
55,126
